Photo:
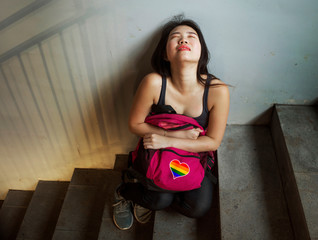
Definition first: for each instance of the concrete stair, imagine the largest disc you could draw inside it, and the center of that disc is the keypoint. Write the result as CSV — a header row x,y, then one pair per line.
x,y
268,178
43,211
12,212
295,134
252,202
268,189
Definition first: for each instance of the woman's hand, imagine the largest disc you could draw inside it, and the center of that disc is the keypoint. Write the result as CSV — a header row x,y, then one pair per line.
x,y
155,141
193,133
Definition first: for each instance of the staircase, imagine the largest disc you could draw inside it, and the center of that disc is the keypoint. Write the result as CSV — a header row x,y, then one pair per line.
x,y
268,189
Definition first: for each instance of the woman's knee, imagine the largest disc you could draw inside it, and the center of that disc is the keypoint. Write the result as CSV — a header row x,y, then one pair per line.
x,y
198,210
159,201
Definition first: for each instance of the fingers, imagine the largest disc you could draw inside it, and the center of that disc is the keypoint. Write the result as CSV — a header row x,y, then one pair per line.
x,y
149,137
148,145
196,132
155,141
146,141
149,141
199,130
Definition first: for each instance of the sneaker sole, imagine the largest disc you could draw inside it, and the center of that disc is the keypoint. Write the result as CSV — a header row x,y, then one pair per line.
x,y
121,227
138,220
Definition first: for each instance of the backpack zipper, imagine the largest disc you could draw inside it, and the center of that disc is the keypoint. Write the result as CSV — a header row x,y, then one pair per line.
x,y
170,150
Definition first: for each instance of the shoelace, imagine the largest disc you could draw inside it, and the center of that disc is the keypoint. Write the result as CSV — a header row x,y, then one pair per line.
x,y
142,214
122,206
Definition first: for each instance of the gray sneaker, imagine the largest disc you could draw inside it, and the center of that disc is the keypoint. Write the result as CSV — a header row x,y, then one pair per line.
x,y
122,215
142,215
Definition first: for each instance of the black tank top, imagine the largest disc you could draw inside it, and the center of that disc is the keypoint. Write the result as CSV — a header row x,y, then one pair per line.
x,y
203,119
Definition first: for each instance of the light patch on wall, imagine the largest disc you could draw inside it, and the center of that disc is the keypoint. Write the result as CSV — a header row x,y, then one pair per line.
x,y
245,99
291,101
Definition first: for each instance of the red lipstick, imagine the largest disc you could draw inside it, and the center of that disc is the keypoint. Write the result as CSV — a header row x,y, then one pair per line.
x,y
184,48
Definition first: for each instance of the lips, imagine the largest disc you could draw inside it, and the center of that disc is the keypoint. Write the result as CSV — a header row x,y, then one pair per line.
x,y
184,48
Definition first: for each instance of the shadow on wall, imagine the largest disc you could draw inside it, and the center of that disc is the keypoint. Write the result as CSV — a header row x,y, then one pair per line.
x,y
127,81
64,102
315,102
55,99
143,59
59,107
274,210
265,117
262,119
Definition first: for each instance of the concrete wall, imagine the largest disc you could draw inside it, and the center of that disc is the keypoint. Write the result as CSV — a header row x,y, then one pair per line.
x,y
68,70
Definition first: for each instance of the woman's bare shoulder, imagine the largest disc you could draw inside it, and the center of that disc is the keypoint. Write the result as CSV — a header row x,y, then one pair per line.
x,y
152,80
150,86
218,91
218,86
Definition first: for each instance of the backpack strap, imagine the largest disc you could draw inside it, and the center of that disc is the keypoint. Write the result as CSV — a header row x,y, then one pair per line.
x,y
211,176
209,169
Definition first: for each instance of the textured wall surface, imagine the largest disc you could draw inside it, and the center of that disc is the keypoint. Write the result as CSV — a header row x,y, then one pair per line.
x,y
69,68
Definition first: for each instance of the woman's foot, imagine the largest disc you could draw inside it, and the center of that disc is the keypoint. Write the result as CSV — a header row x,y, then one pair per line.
x,y
122,214
142,215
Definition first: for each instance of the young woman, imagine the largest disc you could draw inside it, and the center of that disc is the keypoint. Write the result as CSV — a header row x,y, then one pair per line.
x,y
181,80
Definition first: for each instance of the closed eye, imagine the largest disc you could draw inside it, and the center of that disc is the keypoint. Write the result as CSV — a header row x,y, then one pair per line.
x,y
174,35
192,36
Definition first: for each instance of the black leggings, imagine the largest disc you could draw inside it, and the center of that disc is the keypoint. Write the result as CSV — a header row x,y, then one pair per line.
x,y
194,203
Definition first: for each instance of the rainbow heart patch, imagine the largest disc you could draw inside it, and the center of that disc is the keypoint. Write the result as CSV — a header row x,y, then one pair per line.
x,y
179,169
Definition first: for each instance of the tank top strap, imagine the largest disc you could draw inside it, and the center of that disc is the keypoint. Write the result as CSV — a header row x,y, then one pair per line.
x,y
162,97
206,95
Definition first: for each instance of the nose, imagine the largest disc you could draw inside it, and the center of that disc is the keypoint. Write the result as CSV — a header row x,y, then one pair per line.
x,y
183,41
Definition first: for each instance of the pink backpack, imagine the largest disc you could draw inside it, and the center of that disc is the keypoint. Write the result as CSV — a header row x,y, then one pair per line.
x,y
170,169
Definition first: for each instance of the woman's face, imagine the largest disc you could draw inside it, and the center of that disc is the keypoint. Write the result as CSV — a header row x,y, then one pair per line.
x,y
183,45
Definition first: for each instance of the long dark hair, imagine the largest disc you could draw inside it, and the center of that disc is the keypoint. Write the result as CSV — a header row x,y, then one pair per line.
x,y
161,66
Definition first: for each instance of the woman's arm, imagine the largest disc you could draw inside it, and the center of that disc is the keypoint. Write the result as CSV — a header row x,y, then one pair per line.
x,y
147,94
220,101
